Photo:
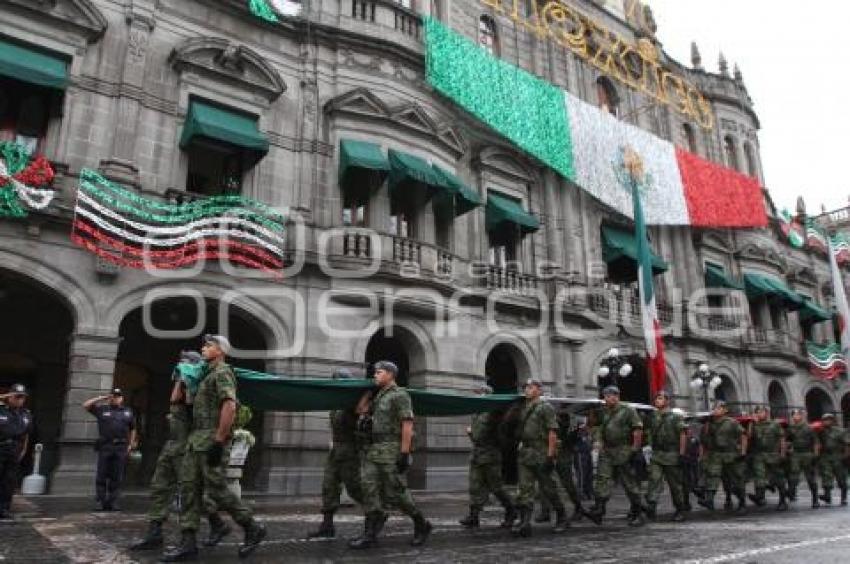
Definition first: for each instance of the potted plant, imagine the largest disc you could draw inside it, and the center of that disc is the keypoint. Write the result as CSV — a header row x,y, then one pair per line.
x,y
241,443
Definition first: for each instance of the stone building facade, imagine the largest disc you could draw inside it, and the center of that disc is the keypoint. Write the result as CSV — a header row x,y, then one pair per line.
x,y
353,70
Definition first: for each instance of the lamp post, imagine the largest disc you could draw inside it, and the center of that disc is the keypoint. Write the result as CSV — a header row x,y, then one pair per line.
x,y
612,367
706,380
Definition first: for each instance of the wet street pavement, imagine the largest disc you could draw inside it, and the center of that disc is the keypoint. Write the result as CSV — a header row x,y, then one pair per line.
x,y
61,529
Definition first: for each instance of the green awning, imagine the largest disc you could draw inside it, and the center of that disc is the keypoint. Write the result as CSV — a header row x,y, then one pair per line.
x,y
716,277
33,66
502,212
813,313
227,126
362,167
406,168
619,251
464,197
761,285
267,392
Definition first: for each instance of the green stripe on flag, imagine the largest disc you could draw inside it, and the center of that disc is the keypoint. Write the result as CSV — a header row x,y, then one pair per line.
x,y
523,108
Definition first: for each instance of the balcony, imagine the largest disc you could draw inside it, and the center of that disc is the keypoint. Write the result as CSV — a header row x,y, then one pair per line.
x,y
364,16
505,280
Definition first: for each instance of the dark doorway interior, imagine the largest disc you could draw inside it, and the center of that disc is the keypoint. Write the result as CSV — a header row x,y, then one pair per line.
x,y
818,403
145,364
384,346
635,387
500,370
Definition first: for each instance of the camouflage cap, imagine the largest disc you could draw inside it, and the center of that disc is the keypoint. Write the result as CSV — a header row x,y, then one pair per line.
x,y
18,390
611,391
534,382
828,416
220,340
388,366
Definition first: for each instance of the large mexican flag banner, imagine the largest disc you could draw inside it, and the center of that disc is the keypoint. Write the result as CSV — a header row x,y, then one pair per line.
x,y
584,144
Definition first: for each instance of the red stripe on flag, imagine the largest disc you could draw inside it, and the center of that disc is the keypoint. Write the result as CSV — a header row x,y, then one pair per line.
x,y
656,366
718,196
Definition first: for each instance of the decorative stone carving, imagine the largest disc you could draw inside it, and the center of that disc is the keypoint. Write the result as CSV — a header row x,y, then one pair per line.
x,y
225,60
79,15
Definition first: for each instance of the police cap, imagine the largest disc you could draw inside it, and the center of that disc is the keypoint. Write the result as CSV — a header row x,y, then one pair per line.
x,y
18,390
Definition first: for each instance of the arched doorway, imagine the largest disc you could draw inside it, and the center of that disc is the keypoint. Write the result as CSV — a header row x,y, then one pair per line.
x,y
777,400
726,391
818,403
635,386
388,344
845,410
34,336
145,362
500,369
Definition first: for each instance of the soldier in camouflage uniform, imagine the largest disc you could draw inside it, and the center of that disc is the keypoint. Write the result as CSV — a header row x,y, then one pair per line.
x,y
538,446
834,447
767,445
668,438
567,441
724,448
387,460
485,466
202,472
619,435
805,448
342,466
166,477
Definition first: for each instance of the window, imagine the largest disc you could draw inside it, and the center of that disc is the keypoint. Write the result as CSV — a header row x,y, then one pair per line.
x,y
214,168
487,34
730,151
354,213
750,156
689,138
402,216
606,97
778,317
24,113
503,251
443,225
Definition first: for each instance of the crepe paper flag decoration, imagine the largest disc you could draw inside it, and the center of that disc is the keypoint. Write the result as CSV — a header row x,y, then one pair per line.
x,y
130,230
579,141
23,181
826,361
792,229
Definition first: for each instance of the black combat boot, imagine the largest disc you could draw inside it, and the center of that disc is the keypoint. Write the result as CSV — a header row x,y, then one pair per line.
x,y
596,512
421,530
813,488
707,500
544,516
844,496
578,512
783,498
561,521
651,510
635,516
153,538
510,513
827,496
679,515
471,521
186,551
522,527
369,537
742,502
326,529
792,492
758,497
254,535
218,530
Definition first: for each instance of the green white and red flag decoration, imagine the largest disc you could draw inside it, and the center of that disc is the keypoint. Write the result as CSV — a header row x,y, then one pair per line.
x,y
635,180
792,229
579,141
272,10
841,248
826,361
842,310
815,236
24,181
130,230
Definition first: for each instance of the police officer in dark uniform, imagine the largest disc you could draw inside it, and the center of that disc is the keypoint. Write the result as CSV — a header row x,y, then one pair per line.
x,y
15,426
116,438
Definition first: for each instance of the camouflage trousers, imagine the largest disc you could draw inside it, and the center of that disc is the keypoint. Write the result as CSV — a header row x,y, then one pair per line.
x,y
804,462
768,470
485,478
564,471
608,468
725,466
342,468
197,480
673,474
165,483
383,488
530,476
832,471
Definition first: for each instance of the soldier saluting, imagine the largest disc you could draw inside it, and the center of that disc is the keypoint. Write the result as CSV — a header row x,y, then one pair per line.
x,y
15,426
387,460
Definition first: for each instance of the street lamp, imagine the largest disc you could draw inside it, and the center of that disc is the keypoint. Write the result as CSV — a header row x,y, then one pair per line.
x,y
706,380
612,367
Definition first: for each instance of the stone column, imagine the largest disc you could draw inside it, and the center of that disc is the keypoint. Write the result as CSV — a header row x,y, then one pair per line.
x,y
91,367
554,241
121,165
